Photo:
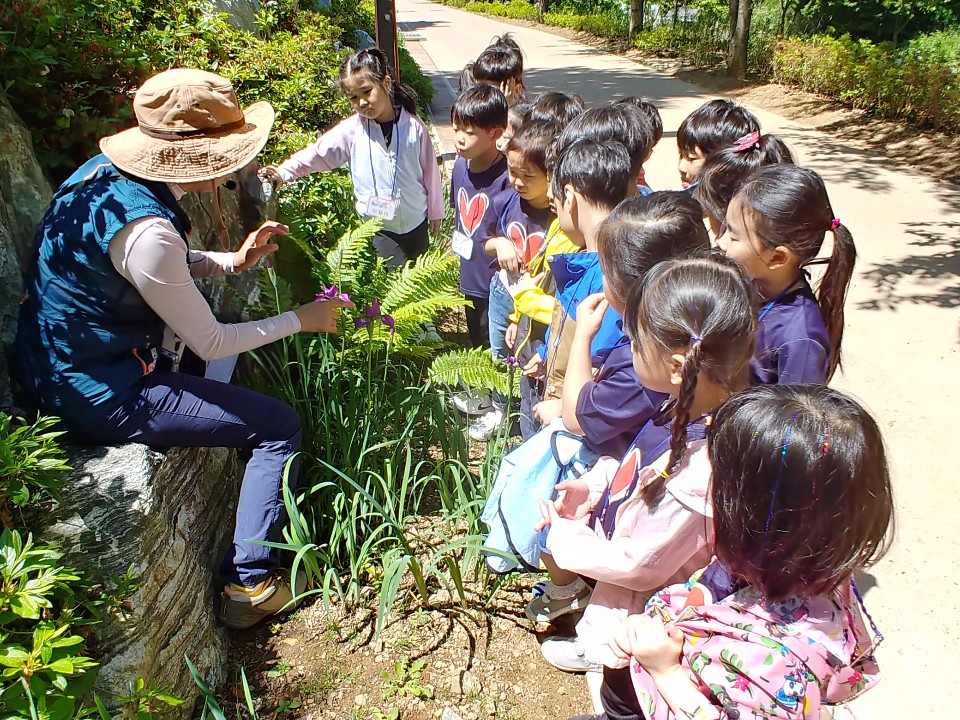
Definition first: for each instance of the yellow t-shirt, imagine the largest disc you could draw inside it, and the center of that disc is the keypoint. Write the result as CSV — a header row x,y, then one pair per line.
x,y
536,302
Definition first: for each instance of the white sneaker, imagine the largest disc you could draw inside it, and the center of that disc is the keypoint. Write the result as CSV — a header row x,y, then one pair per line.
x,y
486,426
567,654
548,604
472,402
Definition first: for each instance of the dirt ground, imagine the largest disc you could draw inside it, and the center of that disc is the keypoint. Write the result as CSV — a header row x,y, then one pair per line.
x,y
481,663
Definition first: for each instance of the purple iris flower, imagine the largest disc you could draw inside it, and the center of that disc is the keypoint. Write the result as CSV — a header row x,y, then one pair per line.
x,y
331,293
373,313
512,362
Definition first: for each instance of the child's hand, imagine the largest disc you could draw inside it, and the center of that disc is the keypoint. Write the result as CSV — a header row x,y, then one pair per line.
x,y
435,226
590,314
507,256
572,504
547,410
532,368
655,646
510,336
272,174
524,282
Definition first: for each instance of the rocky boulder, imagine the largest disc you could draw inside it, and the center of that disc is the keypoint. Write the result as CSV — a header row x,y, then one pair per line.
x,y
24,196
170,516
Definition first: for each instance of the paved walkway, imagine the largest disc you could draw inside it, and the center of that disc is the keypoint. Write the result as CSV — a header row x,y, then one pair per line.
x,y
901,345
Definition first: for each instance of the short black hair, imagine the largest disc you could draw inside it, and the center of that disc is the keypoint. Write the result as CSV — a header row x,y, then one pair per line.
x,y
466,77
649,111
519,114
533,140
617,122
714,126
560,107
600,170
480,106
498,64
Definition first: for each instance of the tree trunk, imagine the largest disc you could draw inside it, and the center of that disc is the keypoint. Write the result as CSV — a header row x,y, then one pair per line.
x,y
739,40
636,16
542,9
676,13
734,9
784,6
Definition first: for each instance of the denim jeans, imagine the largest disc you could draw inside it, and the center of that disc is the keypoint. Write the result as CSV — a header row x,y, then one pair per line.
x,y
500,309
181,410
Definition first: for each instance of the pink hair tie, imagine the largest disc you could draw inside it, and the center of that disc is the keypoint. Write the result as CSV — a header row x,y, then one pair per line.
x,y
834,224
748,141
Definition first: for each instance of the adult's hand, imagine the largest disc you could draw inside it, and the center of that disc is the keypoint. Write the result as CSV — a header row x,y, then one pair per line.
x,y
258,244
321,316
272,174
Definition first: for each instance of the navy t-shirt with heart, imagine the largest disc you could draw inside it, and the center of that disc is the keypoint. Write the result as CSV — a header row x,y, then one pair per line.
x,y
525,225
478,200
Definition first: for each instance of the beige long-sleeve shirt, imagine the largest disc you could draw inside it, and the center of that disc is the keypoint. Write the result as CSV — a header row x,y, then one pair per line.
x,y
152,256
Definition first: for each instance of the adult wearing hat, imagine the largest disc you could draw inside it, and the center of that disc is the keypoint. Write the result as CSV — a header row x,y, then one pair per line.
x,y
112,270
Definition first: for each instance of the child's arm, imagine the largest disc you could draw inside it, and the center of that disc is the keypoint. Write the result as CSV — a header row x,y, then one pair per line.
x,y
802,361
579,363
663,541
657,648
505,252
431,180
331,150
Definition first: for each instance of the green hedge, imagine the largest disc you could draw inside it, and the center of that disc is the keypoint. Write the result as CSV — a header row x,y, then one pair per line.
x,y
919,82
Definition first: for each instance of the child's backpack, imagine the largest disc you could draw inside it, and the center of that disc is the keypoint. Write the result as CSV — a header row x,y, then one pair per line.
x,y
527,475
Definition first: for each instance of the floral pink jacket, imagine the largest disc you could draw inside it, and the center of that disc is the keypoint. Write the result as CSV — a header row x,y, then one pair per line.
x,y
756,659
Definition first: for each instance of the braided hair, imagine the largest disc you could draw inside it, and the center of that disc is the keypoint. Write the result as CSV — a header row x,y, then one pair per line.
x,y
705,309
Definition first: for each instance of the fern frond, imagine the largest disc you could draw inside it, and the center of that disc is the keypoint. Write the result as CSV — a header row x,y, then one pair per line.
x,y
474,368
353,253
272,295
435,273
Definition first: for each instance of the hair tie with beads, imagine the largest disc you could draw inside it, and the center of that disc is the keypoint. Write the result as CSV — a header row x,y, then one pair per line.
x,y
834,224
747,142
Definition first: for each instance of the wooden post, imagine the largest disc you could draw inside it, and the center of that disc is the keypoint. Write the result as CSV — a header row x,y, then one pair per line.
x,y
386,20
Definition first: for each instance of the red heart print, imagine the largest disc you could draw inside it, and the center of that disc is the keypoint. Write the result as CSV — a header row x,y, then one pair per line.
x,y
472,210
526,245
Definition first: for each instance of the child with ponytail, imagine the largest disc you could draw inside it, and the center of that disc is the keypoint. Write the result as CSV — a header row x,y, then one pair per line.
x,y
691,323
392,160
776,225
801,500
726,170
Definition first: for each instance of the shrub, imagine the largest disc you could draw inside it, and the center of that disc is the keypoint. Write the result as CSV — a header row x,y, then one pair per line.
x,y
916,82
611,24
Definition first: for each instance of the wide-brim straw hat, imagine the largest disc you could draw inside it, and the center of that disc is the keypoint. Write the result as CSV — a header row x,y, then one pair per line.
x,y
190,128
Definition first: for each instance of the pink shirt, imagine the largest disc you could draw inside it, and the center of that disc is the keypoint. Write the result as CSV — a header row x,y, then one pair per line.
x,y
650,547
407,169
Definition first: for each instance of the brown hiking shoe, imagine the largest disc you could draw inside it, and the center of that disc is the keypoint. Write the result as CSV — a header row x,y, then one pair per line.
x,y
243,607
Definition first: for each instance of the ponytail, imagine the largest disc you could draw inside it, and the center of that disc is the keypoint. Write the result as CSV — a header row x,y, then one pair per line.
x,y
373,63
706,305
690,372
789,206
833,291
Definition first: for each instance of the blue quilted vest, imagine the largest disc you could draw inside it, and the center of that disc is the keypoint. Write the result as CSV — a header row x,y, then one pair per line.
x,y
85,337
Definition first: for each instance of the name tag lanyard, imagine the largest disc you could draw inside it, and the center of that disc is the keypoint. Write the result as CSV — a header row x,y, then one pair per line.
x,y
396,164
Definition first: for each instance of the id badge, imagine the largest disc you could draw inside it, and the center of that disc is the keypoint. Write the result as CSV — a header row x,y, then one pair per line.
x,y
381,207
462,244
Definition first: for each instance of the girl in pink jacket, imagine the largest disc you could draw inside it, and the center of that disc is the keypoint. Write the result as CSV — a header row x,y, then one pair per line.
x,y
801,497
393,164
691,323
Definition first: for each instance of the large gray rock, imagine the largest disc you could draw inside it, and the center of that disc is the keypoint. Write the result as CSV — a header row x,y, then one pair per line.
x,y
242,13
170,515
24,196
244,210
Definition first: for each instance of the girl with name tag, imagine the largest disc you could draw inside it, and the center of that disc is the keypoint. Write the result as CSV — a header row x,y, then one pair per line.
x,y
392,160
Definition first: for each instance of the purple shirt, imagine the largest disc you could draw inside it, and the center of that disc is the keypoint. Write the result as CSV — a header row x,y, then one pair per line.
x,y
792,342
478,200
525,225
612,409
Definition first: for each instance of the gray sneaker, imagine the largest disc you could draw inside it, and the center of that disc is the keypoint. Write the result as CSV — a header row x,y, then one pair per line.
x,y
241,608
473,402
544,608
567,654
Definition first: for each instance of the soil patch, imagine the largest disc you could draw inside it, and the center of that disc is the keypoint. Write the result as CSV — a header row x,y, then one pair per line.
x,y
479,662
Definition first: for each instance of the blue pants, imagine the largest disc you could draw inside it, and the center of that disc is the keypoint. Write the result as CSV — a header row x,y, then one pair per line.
x,y
499,311
180,410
